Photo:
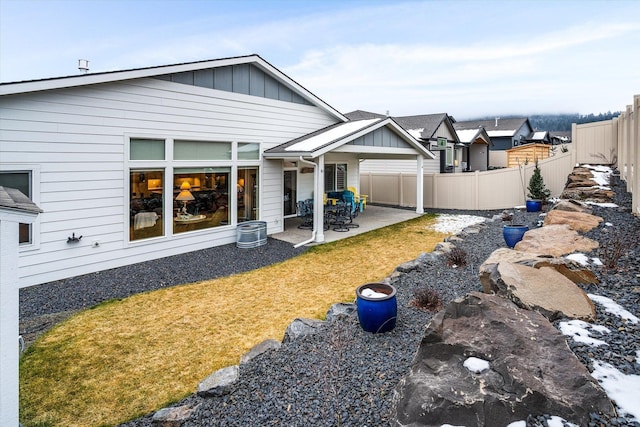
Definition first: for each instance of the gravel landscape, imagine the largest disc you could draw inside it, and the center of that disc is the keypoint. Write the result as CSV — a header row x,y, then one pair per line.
x,y
343,375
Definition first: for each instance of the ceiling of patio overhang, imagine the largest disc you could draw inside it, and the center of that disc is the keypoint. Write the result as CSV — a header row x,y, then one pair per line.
x,y
368,139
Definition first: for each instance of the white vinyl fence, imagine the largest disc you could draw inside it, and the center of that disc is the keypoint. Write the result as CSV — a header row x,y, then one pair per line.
x,y
614,142
496,189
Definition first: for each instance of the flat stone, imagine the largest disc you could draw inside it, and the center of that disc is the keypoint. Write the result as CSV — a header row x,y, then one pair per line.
x,y
340,310
529,370
572,206
220,382
542,289
408,266
258,349
444,247
172,417
578,221
301,327
554,240
572,270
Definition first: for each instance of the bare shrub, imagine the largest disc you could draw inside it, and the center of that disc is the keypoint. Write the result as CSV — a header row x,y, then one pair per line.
x,y
456,258
427,299
615,246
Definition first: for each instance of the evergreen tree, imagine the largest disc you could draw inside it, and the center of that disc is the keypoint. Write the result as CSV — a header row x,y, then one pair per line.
x,y
537,189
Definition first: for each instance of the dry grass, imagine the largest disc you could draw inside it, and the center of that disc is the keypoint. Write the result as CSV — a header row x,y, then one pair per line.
x,y
123,359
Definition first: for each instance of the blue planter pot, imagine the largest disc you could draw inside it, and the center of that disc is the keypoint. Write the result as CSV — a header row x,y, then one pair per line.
x,y
534,205
513,234
377,314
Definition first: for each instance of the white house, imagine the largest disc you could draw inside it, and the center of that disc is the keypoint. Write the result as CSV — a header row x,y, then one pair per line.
x,y
434,131
15,209
140,164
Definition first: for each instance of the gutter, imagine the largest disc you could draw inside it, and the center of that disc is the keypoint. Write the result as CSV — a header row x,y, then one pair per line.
x,y
313,232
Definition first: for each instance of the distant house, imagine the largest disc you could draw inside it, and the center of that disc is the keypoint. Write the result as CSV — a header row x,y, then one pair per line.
x,y
476,144
504,133
139,164
560,137
539,137
434,131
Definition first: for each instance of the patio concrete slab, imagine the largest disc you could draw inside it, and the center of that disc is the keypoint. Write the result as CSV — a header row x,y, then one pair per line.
x,y
371,218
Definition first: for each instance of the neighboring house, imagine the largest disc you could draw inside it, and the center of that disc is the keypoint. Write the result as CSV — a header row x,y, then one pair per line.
x,y
434,131
140,164
476,144
504,133
560,137
539,137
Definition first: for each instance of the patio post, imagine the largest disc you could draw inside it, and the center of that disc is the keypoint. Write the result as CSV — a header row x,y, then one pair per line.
x,y
318,205
419,184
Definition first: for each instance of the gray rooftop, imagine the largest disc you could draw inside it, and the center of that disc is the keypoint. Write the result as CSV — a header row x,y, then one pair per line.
x,y
13,199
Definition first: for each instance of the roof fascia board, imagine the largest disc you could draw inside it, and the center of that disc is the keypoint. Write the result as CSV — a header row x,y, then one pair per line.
x,y
388,121
382,150
112,76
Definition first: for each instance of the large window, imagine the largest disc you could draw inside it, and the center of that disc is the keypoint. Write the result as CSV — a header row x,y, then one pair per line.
x,y
20,180
146,206
335,177
201,185
200,198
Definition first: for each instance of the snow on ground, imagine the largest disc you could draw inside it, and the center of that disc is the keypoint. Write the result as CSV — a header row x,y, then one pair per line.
x,y
555,421
613,307
579,331
623,389
582,259
601,175
453,224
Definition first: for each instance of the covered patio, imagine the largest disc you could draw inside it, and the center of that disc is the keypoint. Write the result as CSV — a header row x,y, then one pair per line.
x,y
370,219
348,143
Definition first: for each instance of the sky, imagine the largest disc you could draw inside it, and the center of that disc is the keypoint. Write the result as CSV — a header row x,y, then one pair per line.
x,y
470,59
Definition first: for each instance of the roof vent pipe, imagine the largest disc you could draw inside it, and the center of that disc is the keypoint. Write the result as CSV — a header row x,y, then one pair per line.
x,y
83,65
497,118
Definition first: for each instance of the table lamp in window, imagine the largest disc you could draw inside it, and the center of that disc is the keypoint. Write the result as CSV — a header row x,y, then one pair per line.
x,y
185,196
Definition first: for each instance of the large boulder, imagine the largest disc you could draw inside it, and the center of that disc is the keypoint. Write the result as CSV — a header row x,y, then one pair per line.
x,y
219,383
541,289
572,270
578,221
301,327
554,240
572,206
485,362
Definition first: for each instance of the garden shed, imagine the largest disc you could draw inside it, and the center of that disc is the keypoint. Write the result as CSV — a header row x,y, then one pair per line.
x,y
527,153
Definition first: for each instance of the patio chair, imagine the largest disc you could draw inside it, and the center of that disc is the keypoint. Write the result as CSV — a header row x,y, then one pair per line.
x,y
361,199
352,208
306,213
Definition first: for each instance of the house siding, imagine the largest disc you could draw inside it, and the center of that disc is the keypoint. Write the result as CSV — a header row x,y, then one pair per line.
x,y
76,139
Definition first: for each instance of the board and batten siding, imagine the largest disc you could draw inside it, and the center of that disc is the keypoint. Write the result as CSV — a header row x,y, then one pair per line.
x,y
75,139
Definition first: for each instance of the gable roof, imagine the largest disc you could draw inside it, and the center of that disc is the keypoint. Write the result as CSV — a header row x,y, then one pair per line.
x,y
338,136
79,80
496,127
423,126
470,136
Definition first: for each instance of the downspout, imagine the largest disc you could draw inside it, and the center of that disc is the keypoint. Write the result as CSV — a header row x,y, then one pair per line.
x,y
313,232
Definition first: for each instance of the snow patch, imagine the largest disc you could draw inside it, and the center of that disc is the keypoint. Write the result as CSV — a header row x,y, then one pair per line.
x,y
621,388
370,293
579,331
476,365
613,307
582,259
453,224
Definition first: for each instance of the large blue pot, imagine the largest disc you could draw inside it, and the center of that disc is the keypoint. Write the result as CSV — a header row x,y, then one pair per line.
x,y
534,205
513,234
377,314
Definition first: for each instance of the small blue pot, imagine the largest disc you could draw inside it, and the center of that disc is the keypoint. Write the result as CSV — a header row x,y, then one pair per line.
x,y
377,314
534,205
513,234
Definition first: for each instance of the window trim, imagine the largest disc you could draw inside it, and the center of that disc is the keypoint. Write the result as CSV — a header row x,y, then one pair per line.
x,y
34,171
169,165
